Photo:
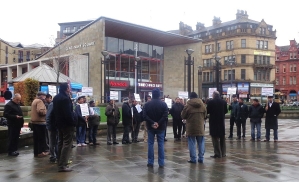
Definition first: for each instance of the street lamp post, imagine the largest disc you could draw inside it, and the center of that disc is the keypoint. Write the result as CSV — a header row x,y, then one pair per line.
x,y
200,81
189,62
231,62
106,93
217,69
136,73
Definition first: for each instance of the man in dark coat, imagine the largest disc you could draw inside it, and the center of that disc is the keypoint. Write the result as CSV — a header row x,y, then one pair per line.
x,y
217,108
232,120
177,123
155,113
93,124
272,111
7,95
136,122
113,116
256,112
14,115
127,121
65,122
241,113
81,125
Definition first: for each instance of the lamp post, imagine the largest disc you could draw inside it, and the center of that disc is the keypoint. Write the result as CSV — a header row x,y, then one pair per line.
x,y
106,93
200,81
189,62
217,68
136,81
231,62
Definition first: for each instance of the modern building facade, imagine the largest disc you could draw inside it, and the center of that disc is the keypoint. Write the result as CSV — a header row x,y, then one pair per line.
x,y
159,55
246,53
286,64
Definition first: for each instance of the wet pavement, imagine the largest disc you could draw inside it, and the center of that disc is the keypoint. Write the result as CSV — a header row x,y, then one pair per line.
x,y
245,161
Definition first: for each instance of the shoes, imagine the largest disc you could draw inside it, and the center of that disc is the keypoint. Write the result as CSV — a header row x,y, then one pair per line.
x,y
124,142
83,144
79,145
215,156
109,143
239,138
224,156
13,154
134,141
41,155
161,167
266,140
64,170
258,140
252,139
230,137
115,143
128,142
190,161
243,137
200,161
165,140
150,165
73,146
275,140
91,144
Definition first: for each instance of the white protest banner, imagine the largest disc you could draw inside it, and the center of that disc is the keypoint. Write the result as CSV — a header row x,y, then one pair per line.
x,y
113,95
84,109
88,91
231,90
211,90
137,97
183,94
52,90
168,102
266,91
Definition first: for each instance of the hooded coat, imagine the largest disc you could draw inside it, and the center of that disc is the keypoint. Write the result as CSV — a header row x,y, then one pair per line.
x,y
195,113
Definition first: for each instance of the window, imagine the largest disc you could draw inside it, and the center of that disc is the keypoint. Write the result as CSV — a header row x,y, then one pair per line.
x,y
283,81
291,55
218,47
229,45
243,58
243,74
291,80
262,31
260,44
294,68
277,69
294,80
243,43
225,75
291,68
277,80
207,62
229,74
284,68
208,48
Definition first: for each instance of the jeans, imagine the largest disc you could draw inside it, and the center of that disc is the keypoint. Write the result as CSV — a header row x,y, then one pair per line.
x,y
13,138
39,138
150,150
93,131
256,125
177,125
200,140
134,134
274,133
241,122
145,131
231,126
65,141
80,134
111,130
53,138
126,137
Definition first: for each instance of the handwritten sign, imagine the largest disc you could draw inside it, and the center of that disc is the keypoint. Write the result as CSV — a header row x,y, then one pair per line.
x,y
113,95
231,90
88,91
183,94
84,109
267,91
52,90
168,102
137,97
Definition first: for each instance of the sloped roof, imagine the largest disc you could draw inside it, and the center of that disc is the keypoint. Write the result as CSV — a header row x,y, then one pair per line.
x,y
44,74
36,45
16,44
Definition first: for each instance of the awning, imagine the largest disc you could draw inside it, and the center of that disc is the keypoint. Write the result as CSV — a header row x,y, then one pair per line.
x,y
76,86
292,94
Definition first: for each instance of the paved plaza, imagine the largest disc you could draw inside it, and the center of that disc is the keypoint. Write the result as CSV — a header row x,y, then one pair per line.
x,y
245,161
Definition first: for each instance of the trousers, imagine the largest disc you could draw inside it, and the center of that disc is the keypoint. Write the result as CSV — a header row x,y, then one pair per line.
x,y
219,145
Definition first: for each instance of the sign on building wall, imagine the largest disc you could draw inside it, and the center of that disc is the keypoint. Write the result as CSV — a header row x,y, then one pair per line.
x,y
232,90
267,91
262,53
243,88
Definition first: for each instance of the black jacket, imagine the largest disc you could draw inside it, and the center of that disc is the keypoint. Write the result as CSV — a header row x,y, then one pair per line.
x,y
155,111
7,95
271,116
136,115
232,107
11,110
217,108
63,111
256,113
241,112
50,120
81,119
126,114
176,111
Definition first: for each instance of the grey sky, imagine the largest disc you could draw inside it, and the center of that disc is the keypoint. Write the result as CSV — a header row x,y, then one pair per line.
x,y
34,21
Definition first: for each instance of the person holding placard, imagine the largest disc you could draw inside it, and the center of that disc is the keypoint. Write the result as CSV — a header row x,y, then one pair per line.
x,y
272,111
136,121
113,116
81,126
177,123
93,124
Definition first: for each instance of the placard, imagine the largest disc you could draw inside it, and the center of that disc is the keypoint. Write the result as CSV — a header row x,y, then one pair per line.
x,y
168,102
232,90
211,91
52,90
137,97
96,110
87,91
267,91
138,107
84,109
113,95
183,94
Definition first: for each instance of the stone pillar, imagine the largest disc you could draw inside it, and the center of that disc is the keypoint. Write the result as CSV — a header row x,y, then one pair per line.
x,y
19,70
9,74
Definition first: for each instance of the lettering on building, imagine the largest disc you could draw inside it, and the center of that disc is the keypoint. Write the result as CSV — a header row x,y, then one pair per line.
x,y
80,46
150,85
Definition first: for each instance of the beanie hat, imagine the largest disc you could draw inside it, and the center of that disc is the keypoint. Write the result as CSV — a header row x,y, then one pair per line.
x,y
193,95
126,99
156,93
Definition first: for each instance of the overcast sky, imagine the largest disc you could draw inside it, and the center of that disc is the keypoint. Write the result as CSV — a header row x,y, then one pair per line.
x,y
34,21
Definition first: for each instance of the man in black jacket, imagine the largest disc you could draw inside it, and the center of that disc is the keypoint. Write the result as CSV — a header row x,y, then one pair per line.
x,y
14,115
7,95
81,125
272,111
241,113
232,120
155,114
65,122
256,112
177,123
217,108
127,120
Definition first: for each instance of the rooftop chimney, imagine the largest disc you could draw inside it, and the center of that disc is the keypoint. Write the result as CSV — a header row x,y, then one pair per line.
x,y
200,26
216,21
185,29
241,14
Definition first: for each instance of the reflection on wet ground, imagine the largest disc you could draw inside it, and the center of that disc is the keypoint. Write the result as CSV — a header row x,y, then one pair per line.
x,y
245,161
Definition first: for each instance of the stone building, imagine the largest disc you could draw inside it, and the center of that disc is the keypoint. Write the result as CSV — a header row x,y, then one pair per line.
x,y
160,59
286,71
246,52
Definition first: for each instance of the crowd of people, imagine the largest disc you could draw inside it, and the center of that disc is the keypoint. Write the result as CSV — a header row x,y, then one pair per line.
x,y
54,123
